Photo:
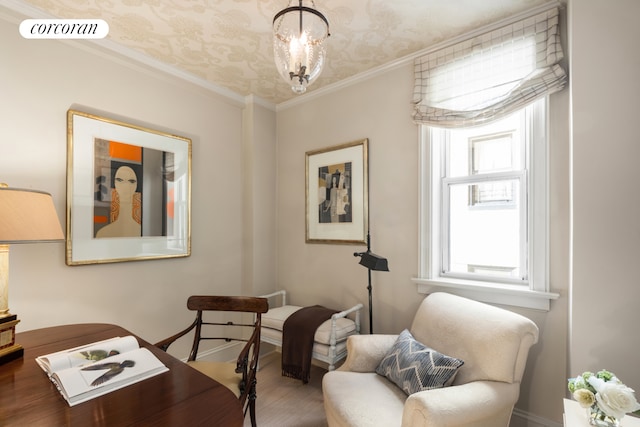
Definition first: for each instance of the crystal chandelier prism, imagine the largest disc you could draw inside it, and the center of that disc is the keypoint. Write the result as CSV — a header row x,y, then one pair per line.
x,y
298,36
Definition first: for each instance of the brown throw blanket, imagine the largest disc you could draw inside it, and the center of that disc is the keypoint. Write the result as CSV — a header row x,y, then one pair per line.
x,y
297,340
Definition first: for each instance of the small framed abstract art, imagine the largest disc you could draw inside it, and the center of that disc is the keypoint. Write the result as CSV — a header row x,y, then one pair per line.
x,y
337,194
128,192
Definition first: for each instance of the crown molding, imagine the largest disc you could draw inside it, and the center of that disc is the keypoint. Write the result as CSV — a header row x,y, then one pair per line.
x,y
134,57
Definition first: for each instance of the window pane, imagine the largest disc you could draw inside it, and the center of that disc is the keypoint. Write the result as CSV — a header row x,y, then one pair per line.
x,y
493,193
492,153
484,241
490,148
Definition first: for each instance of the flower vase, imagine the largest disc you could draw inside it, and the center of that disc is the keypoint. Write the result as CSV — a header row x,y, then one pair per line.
x,y
599,419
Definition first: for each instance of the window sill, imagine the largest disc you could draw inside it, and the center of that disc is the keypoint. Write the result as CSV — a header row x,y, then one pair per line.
x,y
494,293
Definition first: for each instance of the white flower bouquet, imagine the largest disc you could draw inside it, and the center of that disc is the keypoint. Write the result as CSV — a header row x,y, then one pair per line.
x,y
605,395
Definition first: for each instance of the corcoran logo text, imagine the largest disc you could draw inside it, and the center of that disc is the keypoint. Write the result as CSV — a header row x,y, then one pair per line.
x,y
64,29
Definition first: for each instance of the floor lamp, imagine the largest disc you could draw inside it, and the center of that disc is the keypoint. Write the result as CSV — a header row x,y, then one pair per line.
x,y
26,216
372,262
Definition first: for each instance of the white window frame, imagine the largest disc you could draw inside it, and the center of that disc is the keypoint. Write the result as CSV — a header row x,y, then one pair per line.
x,y
533,292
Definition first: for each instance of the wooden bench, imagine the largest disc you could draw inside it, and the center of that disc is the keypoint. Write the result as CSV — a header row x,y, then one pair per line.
x,y
330,344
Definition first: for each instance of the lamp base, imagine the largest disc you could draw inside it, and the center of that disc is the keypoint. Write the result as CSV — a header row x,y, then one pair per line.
x,y
9,350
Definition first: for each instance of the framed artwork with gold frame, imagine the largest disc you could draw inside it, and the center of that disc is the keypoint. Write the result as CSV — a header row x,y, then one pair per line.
x,y
337,194
128,192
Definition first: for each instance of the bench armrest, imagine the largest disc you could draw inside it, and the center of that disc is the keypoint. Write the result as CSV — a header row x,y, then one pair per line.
x,y
344,313
281,292
356,308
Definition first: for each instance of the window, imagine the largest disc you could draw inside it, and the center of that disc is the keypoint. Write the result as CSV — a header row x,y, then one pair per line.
x,y
481,104
484,209
483,200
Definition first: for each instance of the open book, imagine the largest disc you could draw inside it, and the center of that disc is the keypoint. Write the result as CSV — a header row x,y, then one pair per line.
x,y
92,370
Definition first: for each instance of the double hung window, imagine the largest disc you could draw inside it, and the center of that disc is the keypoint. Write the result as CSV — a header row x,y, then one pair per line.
x,y
481,106
483,186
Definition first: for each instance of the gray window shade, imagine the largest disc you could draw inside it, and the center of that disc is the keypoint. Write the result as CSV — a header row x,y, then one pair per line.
x,y
489,76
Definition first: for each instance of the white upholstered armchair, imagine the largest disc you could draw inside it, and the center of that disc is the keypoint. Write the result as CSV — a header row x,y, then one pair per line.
x,y
493,344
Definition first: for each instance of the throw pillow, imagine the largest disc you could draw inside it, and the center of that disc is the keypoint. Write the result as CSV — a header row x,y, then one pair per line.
x,y
414,367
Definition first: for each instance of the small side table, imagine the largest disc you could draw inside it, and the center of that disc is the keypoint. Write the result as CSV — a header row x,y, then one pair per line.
x,y
576,416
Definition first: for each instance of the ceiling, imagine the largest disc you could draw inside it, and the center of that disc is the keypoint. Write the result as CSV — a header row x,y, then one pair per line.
x,y
228,42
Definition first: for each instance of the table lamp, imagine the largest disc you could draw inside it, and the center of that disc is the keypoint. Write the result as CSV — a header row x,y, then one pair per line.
x,y
372,262
26,216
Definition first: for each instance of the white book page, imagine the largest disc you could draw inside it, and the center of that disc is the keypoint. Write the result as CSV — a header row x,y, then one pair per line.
x,y
79,384
86,354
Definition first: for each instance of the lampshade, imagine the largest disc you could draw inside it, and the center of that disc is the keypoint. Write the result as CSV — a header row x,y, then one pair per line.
x,y
298,36
373,261
27,216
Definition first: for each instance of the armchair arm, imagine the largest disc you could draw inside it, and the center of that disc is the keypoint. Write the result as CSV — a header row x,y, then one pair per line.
x,y
364,352
478,404
165,343
247,362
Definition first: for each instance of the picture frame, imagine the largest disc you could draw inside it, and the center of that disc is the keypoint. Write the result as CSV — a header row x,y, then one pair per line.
x,y
337,194
114,168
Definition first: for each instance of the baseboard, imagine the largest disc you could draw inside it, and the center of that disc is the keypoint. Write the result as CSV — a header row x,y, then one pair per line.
x,y
521,418
223,353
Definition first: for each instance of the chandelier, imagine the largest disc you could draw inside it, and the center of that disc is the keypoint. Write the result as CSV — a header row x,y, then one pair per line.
x,y
298,36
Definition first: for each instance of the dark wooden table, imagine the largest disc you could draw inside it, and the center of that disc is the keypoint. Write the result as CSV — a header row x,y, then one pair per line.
x,y
180,397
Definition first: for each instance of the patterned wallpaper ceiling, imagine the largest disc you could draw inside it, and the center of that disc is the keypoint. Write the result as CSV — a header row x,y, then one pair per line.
x,y
228,42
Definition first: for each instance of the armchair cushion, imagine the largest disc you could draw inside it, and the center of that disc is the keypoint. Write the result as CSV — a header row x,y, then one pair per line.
x,y
224,373
378,402
414,367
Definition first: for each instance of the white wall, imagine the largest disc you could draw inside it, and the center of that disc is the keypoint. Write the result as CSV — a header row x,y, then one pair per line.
x,y
605,95
327,273
380,109
41,80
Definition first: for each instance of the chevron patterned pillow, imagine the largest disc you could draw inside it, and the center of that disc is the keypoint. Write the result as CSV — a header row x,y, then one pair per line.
x,y
414,367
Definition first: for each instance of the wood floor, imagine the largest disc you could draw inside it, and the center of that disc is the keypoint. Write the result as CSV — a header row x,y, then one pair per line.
x,y
285,402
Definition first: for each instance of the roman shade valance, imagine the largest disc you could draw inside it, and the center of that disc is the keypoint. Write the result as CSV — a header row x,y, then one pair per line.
x,y
491,75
